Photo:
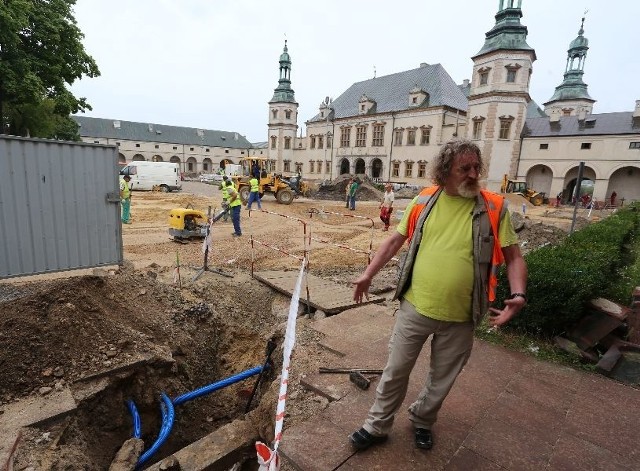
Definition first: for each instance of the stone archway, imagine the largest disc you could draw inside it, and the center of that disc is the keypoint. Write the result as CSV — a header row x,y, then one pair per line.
x,y
192,165
588,180
345,167
539,178
361,167
175,159
157,158
376,168
207,165
625,181
138,158
122,159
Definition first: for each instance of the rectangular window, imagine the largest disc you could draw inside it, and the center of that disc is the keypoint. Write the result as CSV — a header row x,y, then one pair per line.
x,y
319,166
312,143
378,135
398,137
98,142
298,167
205,166
175,147
345,137
157,146
411,137
287,143
484,78
505,128
634,145
320,142
137,145
425,139
329,141
191,149
327,166
311,166
361,136
118,144
190,166
395,170
206,150
422,170
408,169
287,165
544,146
511,75
273,142
477,129
585,146
226,151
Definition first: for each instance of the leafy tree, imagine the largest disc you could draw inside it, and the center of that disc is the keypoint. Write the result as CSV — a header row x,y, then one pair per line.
x,y
41,52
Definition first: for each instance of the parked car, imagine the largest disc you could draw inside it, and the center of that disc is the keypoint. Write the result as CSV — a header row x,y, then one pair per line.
x,y
210,177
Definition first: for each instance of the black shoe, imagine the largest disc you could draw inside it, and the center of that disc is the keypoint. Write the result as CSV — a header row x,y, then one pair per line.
x,y
424,438
361,439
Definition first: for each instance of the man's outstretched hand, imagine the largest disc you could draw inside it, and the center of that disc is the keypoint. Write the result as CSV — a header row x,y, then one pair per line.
x,y
361,288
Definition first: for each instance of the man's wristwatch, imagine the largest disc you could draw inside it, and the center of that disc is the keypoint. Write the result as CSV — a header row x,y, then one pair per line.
x,y
518,295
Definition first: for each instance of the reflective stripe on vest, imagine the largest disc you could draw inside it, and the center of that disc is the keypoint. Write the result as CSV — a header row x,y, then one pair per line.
x,y
225,191
255,186
493,203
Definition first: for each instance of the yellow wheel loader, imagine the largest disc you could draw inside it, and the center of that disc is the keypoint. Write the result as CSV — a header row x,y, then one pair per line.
x,y
285,189
519,187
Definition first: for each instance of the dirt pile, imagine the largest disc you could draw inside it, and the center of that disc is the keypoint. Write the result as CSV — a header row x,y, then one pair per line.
x,y
336,190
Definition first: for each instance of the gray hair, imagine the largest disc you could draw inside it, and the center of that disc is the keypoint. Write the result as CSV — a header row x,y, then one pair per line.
x,y
443,163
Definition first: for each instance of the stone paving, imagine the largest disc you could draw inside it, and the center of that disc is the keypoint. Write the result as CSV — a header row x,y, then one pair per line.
x,y
507,411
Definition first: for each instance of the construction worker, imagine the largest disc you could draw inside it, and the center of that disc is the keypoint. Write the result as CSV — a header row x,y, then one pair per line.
x,y
125,199
224,188
235,205
254,195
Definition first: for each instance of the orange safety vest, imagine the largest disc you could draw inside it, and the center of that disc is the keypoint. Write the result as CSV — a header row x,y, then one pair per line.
x,y
493,203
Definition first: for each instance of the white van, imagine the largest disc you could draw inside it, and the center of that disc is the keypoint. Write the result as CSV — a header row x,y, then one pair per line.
x,y
147,175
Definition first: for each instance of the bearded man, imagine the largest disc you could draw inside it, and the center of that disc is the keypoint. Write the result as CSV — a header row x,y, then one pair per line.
x,y
458,235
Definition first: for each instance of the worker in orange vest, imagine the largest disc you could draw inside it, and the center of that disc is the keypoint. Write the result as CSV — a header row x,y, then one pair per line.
x,y
458,236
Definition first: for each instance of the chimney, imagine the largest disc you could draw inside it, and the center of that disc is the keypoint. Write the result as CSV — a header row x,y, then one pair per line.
x,y
582,114
636,112
465,83
423,65
554,117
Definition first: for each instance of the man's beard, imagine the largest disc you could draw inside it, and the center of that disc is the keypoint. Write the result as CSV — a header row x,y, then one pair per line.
x,y
469,189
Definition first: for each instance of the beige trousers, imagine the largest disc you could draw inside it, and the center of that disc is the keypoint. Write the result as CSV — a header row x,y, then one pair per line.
x,y
450,349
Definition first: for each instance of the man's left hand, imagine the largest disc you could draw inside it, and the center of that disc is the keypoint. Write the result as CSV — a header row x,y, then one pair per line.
x,y
500,317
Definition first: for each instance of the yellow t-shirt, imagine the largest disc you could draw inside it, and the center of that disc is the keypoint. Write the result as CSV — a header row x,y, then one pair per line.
x,y
442,280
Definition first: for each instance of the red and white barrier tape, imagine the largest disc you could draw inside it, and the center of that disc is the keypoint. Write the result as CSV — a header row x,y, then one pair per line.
x,y
268,458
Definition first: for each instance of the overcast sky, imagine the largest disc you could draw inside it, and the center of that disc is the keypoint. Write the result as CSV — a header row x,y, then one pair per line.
x,y
213,64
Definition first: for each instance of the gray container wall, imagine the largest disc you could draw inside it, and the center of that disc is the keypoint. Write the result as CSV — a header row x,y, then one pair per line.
x,y
54,208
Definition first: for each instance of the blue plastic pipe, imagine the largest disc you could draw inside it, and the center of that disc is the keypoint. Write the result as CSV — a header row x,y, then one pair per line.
x,y
217,385
168,416
168,412
137,427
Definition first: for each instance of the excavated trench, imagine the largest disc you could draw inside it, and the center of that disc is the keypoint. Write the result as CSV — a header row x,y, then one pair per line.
x,y
107,340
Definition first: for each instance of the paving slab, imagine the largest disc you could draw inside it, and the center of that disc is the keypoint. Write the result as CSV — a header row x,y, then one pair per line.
x,y
326,295
507,411
31,411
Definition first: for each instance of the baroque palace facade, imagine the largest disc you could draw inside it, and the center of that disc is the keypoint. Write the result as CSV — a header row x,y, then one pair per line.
x,y
390,128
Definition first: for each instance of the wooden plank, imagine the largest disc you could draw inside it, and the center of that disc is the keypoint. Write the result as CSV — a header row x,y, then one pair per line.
x,y
325,295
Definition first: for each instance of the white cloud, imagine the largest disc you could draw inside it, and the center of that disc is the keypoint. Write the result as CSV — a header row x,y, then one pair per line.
x,y
214,64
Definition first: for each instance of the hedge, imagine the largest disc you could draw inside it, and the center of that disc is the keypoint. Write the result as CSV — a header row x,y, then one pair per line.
x,y
564,277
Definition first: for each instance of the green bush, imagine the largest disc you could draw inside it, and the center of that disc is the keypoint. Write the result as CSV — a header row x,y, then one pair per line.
x,y
563,278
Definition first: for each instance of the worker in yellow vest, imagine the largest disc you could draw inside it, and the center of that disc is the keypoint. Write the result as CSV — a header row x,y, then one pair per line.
x,y
235,205
125,199
458,236
254,195
224,188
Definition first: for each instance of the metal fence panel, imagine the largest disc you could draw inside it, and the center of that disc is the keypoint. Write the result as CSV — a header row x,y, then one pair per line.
x,y
58,206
